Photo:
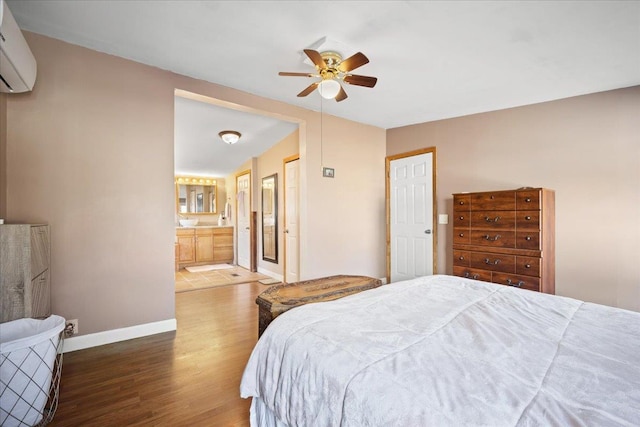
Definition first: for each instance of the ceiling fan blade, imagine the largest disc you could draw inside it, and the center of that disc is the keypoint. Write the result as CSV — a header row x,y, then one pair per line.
x,y
285,73
353,62
357,80
342,95
316,58
309,89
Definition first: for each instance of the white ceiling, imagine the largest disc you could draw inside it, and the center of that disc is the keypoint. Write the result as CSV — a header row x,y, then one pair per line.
x,y
433,60
200,151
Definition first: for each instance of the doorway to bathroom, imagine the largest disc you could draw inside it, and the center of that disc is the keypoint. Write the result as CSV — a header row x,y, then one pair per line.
x,y
235,169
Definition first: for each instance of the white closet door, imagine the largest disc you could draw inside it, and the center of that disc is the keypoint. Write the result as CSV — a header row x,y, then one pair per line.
x,y
411,217
291,229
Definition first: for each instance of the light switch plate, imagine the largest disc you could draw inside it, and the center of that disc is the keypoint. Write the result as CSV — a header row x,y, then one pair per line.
x,y
443,219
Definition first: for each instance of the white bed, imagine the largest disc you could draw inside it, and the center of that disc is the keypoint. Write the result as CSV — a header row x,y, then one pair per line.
x,y
447,351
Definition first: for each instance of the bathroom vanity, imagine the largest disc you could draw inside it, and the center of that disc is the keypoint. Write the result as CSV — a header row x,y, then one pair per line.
x,y
204,244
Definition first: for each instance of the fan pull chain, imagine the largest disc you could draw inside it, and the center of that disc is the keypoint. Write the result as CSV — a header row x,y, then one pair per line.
x,y
321,153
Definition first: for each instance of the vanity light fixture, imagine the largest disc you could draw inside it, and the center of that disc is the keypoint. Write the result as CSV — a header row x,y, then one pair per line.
x,y
230,136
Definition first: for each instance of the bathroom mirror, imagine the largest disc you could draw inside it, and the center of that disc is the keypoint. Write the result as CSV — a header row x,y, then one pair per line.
x,y
195,195
270,218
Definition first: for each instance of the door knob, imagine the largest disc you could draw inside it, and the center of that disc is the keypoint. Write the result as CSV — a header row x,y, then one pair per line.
x,y
427,231
286,231
248,228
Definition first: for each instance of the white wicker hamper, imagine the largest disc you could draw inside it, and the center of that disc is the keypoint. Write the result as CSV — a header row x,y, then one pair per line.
x,y
30,366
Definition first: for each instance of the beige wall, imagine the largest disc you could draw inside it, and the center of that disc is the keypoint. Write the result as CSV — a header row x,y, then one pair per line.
x,y
585,148
90,151
95,124
349,210
269,163
3,155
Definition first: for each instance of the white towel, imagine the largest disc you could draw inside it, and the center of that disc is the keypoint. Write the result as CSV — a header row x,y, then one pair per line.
x,y
227,210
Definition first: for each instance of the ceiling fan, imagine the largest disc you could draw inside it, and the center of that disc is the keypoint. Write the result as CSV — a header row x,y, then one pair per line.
x,y
332,68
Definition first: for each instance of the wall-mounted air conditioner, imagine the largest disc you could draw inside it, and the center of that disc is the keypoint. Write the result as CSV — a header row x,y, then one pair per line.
x,y
17,64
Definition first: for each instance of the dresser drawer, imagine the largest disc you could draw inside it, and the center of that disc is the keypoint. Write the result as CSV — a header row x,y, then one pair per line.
x,y
499,200
528,266
461,203
493,238
472,273
493,262
39,249
529,220
185,231
528,239
221,241
204,232
462,219
40,297
528,200
223,255
493,219
461,236
523,282
461,258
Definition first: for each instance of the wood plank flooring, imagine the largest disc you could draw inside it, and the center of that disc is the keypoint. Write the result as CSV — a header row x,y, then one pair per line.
x,y
190,377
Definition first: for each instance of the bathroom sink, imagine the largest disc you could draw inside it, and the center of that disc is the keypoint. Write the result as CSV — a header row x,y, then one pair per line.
x,y
188,222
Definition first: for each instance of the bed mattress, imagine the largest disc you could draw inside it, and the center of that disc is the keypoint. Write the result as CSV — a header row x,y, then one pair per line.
x,y
443,351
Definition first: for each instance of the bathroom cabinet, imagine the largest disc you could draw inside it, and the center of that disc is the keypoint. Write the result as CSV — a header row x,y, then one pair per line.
x,y
204,245
186,245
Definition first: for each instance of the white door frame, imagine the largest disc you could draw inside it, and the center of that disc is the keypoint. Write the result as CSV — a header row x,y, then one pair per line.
x,y
238,175
286,279
388,161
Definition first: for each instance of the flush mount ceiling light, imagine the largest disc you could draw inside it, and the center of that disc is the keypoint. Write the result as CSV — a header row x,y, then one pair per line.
x,y
230,136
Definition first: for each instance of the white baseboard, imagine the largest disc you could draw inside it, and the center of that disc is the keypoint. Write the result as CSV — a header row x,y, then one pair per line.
x,y
271,274
384,280
115,335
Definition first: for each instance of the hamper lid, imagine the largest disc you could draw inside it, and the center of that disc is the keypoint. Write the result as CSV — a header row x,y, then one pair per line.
x,y
22,333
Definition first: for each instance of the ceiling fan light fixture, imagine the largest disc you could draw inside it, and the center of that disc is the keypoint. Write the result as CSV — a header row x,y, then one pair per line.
x,y
329,88
230,136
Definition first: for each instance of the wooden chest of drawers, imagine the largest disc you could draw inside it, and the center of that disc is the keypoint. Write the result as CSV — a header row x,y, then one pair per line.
x,y
506,237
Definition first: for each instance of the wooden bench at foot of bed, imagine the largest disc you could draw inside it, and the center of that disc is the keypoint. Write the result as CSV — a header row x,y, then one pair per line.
x,y
280,298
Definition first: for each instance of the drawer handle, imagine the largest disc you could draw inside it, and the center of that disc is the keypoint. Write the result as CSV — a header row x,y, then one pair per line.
x,y
488,261
462,203
496,219
469,276
461,258
527,266
517,285
487,237
475,276
528,238
528,218
492,197
527,199
461,218
461,234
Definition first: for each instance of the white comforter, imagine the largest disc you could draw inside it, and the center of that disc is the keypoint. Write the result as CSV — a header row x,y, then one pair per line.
x,y
448,351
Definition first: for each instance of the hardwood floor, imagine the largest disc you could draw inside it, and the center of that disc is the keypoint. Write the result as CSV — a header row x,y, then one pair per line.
x,y
190,377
